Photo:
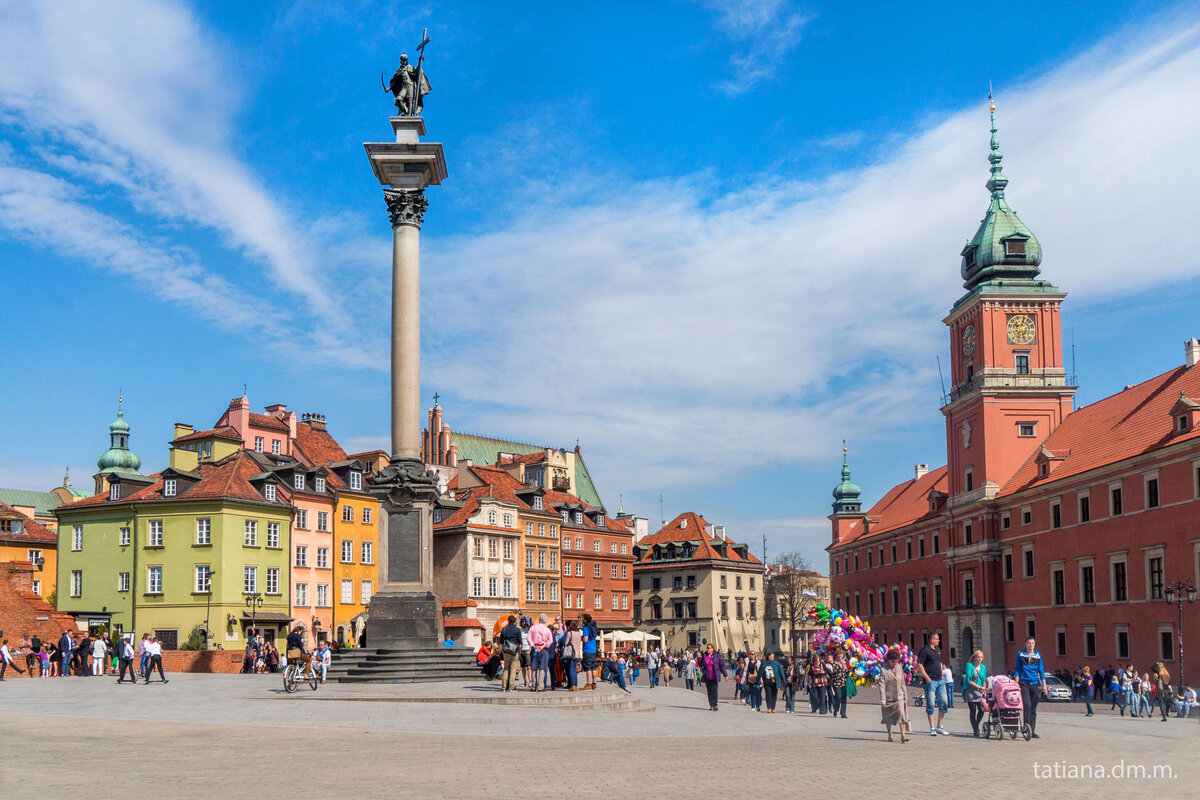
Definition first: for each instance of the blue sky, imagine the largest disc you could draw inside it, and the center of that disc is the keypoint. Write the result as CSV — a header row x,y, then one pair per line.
x,y
709,240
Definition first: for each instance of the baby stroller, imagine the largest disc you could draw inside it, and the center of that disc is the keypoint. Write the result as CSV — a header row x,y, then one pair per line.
x,y
1005,711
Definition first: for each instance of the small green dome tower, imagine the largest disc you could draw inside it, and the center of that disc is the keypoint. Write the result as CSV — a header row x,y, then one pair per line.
x,y
847,493
118,457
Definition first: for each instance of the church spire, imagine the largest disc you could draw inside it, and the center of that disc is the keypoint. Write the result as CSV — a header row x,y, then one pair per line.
x,y
846,494
997,182
1003,252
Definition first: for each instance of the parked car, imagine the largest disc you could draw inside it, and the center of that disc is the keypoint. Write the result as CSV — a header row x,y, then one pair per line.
x,y
1057,691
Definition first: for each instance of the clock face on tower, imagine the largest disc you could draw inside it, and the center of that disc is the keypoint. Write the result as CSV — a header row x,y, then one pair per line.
x,y
1021,329
968,340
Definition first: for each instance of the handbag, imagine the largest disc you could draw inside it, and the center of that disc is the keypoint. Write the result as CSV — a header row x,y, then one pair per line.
x,y
568,652
510,647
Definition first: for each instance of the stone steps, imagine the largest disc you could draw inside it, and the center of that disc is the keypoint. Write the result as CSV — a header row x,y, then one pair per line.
x,y
414,665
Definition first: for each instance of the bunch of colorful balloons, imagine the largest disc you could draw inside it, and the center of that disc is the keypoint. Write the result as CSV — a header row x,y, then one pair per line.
x,y
845,633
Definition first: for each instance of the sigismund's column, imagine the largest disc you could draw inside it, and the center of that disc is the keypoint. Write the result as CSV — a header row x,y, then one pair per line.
x,y
404,612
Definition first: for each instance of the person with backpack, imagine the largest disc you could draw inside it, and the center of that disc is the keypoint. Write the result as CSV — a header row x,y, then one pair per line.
x,y
510,646
589,634
772,680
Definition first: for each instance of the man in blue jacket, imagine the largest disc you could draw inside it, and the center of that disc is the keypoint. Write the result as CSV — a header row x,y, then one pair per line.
x,y
1031,675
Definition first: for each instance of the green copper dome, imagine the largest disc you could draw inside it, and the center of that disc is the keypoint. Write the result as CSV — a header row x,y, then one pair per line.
x,y
118,455
1002,248
846,494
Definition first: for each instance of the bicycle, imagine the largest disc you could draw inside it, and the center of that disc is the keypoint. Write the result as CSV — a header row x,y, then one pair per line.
x,y
294,675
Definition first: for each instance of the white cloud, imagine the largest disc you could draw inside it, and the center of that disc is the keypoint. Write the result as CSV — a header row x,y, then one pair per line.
x,y
765,30
690,339
132,97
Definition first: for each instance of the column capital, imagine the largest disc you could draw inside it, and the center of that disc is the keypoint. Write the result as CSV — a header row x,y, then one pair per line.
x,y
406,207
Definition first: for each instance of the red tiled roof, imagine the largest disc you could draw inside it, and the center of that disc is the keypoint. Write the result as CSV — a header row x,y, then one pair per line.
x,y
224,432
905,504
1127,424
462,623
691,527
267,421
228,478
318,447
31,530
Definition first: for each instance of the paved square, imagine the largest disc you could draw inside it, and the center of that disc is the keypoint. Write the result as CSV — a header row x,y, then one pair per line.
x,y
208,735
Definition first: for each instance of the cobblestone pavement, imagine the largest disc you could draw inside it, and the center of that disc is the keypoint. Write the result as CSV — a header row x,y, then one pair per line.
x,y
210,734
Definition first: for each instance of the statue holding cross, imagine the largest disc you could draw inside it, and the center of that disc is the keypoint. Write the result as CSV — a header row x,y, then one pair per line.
x,y
409,84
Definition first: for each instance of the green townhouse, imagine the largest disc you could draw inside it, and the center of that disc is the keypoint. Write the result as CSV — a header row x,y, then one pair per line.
x,y
203,543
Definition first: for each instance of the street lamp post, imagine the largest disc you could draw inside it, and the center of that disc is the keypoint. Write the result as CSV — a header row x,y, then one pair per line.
x,y
1174,593
207,610
254,601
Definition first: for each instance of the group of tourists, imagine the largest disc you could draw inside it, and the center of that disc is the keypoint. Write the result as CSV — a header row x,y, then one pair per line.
x,y
83,655
1140,693
260,657
542,656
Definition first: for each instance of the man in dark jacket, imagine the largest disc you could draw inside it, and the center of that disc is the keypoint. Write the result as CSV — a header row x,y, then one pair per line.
x,y
65,647
510,646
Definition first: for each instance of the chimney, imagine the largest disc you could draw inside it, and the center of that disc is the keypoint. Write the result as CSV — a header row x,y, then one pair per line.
x,y
1191,352
719,532
314,421
919,471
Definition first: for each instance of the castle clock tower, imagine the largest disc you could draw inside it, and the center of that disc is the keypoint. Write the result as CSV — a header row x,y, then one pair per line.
x,y
1009,388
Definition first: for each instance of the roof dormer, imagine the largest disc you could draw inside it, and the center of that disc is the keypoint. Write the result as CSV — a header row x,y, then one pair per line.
x,y
1048,461
1185,414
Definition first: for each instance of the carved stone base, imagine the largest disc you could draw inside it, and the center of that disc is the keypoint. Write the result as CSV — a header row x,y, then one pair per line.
x,y
402,620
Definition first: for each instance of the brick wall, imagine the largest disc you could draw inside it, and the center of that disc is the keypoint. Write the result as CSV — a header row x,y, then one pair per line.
x,y
221,661
22,611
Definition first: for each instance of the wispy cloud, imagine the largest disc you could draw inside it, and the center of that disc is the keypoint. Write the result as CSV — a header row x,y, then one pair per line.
x,y
688,338
765,31
132,97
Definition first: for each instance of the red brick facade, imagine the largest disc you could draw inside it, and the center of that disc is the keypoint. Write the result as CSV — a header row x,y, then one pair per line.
x,y
1067,525
22,611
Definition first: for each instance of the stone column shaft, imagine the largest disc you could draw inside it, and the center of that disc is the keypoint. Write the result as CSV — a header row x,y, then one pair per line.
x,y
406,341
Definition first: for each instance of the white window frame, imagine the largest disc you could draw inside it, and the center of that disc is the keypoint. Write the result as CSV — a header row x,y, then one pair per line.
x,y
493,587
366,515
553,592
347,551
76,538
249,580
356,480
250,533
322,595
347,513
122,581
154,579
366,590
125,537
76,583
477,586
301,557
302,594
322,558
323,521
298,481
302,518
273,534
368,552
203,530
508,550
508,587
274,447
272,580
269,492
347,592
203,578
169,486
154,536
320,485
258,444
